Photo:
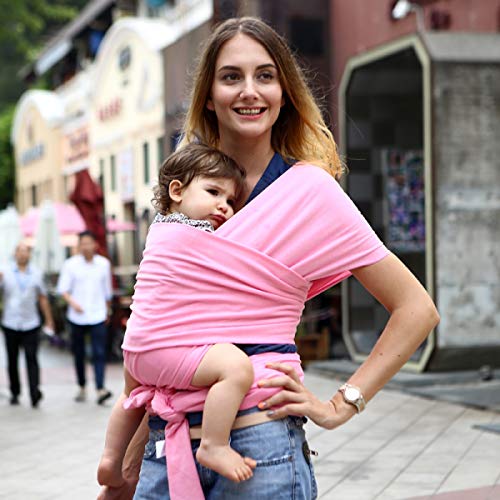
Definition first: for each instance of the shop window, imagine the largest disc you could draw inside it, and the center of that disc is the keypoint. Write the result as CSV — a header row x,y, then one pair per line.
x,y
161,153
384,147
94,41
145,158
34,195
226,9
155,7
306,36
112,165
101,173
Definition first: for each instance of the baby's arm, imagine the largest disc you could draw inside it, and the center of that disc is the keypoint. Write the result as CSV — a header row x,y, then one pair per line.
x,y
121,428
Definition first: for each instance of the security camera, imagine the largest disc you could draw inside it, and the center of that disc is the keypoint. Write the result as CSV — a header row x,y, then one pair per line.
x,y
401,9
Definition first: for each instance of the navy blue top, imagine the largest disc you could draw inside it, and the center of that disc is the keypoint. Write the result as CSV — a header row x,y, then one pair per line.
x,y
276,168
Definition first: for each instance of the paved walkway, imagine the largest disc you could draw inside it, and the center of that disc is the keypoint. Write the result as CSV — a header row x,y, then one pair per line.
x,y
401,447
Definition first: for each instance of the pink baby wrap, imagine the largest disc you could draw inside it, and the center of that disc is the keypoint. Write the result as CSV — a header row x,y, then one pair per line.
x,y
247,284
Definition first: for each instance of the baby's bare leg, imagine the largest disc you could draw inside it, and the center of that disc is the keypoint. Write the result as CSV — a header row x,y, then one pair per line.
x,y
229,372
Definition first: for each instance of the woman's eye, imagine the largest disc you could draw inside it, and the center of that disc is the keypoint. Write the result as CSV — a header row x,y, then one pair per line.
x,y
266,76
230,77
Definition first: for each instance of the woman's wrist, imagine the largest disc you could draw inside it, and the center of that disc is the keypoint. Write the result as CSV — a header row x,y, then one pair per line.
x,y
344,410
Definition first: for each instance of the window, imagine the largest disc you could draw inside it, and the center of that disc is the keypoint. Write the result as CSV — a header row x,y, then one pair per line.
x,y
33,195
306,35
161,144
112,162
101,173
145,154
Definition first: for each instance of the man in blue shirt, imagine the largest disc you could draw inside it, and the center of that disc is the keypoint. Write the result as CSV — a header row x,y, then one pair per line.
x,y
23,292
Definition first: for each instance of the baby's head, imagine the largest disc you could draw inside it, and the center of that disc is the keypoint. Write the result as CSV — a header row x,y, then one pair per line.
x,y
201,182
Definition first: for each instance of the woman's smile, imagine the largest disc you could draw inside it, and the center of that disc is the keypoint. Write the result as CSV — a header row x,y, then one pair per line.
x,y
250,112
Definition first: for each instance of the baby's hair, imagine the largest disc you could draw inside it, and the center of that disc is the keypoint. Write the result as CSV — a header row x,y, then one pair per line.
x,y
190,161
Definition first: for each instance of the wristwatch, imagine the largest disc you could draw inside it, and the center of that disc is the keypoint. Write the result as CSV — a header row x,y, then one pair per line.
x,y
353,396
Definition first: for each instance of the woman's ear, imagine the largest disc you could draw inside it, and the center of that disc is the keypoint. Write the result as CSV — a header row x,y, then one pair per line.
x,y
210,105
175,190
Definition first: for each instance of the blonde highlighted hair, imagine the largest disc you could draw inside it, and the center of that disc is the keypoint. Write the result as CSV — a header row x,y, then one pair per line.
x,y
299,133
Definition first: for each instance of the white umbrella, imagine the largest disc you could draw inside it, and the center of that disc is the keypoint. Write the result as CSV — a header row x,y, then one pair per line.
x,y
10,234
48,251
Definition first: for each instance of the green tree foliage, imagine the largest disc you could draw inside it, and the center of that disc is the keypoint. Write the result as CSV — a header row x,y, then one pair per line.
x,y
6,159
26,25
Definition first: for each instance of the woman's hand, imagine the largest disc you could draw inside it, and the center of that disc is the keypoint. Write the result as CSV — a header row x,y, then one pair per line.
x,y
296,399
124,492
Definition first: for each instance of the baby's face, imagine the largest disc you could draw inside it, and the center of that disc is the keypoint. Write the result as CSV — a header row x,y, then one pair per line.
x,y
209,198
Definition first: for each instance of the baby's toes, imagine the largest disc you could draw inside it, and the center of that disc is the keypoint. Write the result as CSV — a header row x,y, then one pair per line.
x,y
250,462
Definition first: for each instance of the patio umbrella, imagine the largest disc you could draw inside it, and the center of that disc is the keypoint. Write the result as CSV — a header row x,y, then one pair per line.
x,y
11,234
48,250
118,226
68,220
88,198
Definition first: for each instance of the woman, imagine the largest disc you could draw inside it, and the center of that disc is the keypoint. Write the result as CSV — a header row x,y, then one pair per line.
x,y
250,100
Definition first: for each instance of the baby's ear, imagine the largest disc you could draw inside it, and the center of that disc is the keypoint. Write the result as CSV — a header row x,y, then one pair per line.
x,y
175,190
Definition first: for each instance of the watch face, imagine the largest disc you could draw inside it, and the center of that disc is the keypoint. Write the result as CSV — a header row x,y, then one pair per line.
x,y
351,394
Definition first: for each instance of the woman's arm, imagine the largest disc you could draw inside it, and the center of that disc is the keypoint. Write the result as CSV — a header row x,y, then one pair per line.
x,y
412,317
122,428
131,466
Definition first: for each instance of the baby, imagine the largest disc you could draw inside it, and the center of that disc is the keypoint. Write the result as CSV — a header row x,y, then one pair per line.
x,y
198,186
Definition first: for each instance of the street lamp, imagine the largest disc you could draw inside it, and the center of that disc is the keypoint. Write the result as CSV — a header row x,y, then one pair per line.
x,y
404,7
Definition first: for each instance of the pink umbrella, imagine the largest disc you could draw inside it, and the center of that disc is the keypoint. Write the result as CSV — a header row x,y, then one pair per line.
x,y
115,226
68,220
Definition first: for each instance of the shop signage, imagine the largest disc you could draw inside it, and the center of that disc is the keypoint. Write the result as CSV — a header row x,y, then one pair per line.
x,y
32,154
76,146
110,110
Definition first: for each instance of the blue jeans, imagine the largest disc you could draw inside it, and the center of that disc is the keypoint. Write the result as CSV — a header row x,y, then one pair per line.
x,y
98,334
284,470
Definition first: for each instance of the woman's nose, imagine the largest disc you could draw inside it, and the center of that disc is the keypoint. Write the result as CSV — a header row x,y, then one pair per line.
x,y
249,91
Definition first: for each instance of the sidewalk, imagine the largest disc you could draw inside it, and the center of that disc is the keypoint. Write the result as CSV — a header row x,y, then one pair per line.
x,y
401,447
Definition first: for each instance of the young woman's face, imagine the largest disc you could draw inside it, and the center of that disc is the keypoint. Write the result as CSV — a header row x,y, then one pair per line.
x,y
246,92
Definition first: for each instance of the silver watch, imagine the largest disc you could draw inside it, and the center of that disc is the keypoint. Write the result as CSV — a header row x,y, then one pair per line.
x,y
353,396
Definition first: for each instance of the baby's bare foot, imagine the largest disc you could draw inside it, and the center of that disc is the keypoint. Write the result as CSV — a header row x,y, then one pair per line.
x,y
226,462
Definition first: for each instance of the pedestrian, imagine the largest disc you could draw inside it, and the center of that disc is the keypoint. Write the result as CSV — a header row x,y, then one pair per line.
x,y
23,294
297,235
198,186
85,285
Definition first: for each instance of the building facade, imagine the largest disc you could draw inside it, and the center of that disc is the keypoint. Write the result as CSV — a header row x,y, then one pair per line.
x,y
410,94
417,106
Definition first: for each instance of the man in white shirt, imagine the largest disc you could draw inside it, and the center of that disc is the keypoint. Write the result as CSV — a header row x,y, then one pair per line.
x,y
85,284
23,292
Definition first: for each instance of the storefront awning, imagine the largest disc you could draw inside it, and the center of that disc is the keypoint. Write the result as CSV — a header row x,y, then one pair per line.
x,y
463,47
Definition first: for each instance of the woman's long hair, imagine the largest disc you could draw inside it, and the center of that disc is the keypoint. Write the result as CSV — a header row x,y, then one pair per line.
x,y
300,131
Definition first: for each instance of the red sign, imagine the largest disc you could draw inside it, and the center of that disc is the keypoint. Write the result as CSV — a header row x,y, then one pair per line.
x,y
110,110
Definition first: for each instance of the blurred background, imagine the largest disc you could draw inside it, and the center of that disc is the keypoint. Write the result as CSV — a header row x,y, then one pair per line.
x,y
92,98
